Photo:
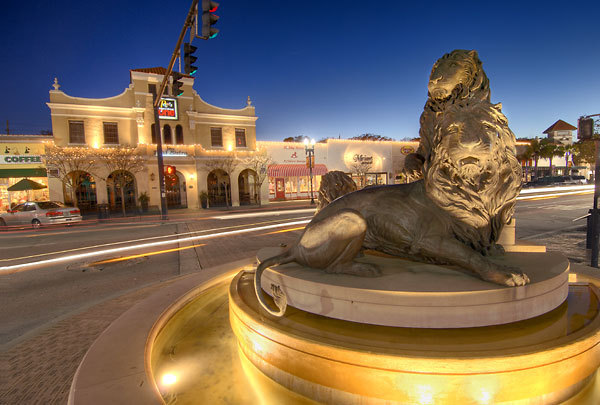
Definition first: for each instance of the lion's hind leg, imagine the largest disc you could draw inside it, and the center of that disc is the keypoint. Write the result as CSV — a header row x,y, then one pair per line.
x,y
333,243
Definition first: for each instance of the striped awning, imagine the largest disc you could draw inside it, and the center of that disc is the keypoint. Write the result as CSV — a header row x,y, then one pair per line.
x,y
296,170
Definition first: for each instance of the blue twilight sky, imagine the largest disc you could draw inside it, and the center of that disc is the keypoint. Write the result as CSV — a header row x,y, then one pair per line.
x,y
316,68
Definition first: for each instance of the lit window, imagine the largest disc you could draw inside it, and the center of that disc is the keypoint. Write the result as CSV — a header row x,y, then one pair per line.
x,y
111,133
216,136
76,132
240,138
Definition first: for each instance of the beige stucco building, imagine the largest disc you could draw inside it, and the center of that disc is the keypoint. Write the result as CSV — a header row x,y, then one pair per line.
x,y
192,132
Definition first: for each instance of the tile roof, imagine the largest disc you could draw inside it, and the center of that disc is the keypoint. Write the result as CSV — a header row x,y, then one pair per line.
x,y
157,71
560,125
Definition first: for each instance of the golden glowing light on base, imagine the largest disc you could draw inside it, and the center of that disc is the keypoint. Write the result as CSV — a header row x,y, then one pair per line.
x,y
169,379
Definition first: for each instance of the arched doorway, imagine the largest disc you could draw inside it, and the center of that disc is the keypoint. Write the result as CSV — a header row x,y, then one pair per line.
x,y
175,188
247,187
219,188
121,190
81,191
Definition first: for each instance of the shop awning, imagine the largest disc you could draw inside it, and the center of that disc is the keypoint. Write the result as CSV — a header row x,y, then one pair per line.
x,y
296,170
8,173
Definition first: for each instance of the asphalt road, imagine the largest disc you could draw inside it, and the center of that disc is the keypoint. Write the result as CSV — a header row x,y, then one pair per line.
x,y
33,298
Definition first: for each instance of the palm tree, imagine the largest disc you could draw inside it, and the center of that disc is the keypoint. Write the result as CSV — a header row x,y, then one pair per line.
x,y
524,158
567,151
549,151
534,150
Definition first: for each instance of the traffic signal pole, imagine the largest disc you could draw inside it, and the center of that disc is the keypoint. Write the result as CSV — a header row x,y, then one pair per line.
x,y
156,103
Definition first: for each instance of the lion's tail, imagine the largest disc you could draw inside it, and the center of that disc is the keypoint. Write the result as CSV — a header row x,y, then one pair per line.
x,y
278,295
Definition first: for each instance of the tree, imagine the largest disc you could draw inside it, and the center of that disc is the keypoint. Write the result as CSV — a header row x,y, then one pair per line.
x,y
69,163
120,161
361,168
525,156
584,152
549,150
567,151
534,149
227,163
299,138
371,137
259,162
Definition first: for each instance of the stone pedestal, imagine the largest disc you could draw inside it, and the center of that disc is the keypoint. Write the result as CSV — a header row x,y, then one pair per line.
x,y
420,295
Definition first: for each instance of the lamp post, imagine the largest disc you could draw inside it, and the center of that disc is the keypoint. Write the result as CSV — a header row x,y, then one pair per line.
x,y
310,152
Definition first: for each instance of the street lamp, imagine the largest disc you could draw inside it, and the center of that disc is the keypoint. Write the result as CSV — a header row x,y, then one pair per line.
x,y
310,152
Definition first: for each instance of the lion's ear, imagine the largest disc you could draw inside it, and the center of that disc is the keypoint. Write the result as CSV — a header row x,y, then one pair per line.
x,y
498,107
474,54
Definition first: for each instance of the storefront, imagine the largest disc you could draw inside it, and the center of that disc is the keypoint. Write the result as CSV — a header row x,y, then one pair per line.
x,y
20,158
368,163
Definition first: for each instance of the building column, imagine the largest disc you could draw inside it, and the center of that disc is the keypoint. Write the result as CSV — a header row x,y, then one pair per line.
x,y
235,188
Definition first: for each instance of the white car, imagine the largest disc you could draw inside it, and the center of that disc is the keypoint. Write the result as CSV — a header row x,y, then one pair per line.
x,y
38,213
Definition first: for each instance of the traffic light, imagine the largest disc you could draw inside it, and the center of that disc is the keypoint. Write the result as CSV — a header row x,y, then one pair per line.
x,y
177,84
188,59
170,170
209,19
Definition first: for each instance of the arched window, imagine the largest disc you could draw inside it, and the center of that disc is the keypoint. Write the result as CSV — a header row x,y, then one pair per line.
x,y
179,135
153,134
167,137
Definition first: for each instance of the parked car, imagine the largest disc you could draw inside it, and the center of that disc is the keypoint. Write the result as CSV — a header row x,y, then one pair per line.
x,y
555,181
38,213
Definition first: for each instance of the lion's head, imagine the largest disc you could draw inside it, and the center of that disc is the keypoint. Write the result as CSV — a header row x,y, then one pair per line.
x,y
458,75
472,172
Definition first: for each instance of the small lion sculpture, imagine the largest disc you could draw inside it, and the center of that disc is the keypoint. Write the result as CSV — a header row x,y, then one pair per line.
x,y
334,185
457,77
454,215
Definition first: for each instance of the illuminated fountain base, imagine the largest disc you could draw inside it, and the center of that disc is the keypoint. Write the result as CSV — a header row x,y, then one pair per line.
x,y
546,359
202,340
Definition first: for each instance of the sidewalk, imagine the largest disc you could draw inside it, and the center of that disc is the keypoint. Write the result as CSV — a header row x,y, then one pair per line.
x,y
40,369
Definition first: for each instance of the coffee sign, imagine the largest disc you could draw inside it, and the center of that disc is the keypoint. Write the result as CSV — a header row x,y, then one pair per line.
x,y
20,159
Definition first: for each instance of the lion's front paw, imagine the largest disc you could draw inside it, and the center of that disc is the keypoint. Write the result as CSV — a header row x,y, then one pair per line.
x,y
505,275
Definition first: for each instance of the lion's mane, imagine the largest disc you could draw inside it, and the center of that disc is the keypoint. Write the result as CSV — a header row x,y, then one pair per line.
x,y
472,85
479,210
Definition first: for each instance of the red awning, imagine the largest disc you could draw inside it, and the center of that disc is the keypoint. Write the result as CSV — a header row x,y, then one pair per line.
x,y
296,170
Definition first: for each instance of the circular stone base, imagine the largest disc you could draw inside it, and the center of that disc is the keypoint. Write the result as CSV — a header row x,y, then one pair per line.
x,y
420,295
544,360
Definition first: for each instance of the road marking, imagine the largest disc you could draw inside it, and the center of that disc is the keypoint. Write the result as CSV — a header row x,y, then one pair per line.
x,y
30,265
283,231
158,252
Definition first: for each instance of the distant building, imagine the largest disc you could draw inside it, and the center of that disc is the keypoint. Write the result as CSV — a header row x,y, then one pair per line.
x,y
561,132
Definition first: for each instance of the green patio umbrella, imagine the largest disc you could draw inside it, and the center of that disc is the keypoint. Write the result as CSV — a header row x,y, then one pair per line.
x,y
26,184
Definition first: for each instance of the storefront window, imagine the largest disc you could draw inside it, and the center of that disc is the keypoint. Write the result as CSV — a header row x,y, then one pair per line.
x,y
8,198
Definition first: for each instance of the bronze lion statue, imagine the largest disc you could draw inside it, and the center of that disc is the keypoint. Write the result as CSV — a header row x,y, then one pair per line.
x,y
453,216
457,77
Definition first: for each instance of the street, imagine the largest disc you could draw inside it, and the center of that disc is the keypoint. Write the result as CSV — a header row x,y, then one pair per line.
x,y
65,270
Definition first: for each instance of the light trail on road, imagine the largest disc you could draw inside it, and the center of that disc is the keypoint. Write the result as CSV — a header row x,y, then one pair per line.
x,y
12,259
553,195
35,264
